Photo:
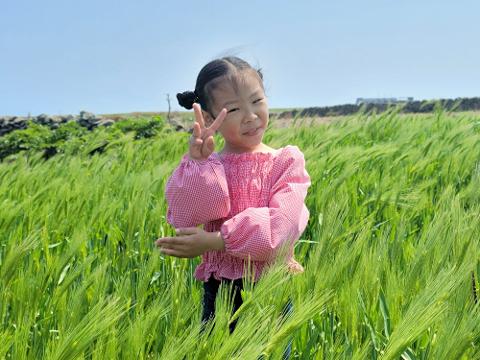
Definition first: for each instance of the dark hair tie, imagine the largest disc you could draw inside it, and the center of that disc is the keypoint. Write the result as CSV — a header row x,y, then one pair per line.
x,y
187,98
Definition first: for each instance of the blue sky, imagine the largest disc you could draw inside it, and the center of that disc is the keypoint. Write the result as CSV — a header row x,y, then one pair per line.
x,y
60,57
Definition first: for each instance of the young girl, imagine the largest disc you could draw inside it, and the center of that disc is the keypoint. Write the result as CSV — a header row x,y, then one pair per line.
x,y
249,196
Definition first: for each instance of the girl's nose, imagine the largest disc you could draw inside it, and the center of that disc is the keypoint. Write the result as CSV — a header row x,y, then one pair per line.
x,y
251,116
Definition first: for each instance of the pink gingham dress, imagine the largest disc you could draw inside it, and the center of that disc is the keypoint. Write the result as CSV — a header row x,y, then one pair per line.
x,y
256,201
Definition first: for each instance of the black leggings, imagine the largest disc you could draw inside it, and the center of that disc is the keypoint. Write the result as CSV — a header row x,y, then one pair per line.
x,y
210,289
210,293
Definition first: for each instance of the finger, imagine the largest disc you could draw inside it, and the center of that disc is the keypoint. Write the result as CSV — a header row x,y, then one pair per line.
x,y
186,231
171,252
207,149
195,141
170,241
170,247
210,144
178,248
198,116
159,242
196,130
218,121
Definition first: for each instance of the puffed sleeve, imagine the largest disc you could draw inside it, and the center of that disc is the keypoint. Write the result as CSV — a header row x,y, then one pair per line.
x,y
197,192
259,232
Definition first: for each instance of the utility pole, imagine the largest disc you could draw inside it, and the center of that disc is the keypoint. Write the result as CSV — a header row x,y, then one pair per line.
x,y
168,101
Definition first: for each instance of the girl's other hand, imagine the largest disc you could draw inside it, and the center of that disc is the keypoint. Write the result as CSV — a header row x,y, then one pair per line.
x,y
190,242
201,141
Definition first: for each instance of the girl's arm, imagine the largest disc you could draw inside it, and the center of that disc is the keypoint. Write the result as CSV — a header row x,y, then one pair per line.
x,y
197,192
259,233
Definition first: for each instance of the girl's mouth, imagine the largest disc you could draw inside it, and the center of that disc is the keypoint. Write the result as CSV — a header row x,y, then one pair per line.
x,y
252,132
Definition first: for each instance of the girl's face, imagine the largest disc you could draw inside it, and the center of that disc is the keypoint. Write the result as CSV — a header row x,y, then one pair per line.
x,y
247,112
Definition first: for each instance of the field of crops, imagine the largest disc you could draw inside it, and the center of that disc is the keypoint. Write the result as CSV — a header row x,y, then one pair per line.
x,y
391,252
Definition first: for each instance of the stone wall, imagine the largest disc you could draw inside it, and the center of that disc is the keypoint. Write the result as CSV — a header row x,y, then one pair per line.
x,y
86,119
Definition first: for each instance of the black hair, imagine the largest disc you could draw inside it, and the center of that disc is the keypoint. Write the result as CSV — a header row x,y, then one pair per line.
x,y
226,66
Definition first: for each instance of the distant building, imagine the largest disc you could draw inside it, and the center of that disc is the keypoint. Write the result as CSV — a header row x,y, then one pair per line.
x,y
398,100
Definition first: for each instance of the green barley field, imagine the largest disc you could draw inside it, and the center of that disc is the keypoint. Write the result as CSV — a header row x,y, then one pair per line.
x,y
391,252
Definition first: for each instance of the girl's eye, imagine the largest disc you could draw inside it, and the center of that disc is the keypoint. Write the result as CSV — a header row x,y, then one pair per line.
x,y
235,109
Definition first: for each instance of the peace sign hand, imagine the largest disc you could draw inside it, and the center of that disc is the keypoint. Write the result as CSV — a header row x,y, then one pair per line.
x,y
201,142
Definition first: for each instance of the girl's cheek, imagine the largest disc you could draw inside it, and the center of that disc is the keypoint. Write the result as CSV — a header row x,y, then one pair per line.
x,y
231,131
228,131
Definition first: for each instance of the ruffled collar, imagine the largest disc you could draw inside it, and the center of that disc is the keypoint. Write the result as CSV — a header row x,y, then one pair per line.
x,y
248,156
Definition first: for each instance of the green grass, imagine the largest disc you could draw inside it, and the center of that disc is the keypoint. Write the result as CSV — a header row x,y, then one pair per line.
x,y
390,251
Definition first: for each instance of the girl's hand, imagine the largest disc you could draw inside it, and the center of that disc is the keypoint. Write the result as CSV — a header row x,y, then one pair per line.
x,y
190,242
201,141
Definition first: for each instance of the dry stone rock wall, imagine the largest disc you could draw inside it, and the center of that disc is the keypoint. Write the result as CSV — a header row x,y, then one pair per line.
x,y
86,119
